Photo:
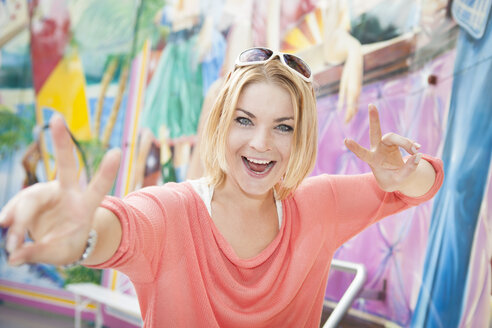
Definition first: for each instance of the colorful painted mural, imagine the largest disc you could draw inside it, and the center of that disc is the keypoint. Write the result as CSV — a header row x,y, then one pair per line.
x,y
409,106
134,75
47,65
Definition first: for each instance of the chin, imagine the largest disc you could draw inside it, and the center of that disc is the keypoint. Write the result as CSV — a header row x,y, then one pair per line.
x,y
256,188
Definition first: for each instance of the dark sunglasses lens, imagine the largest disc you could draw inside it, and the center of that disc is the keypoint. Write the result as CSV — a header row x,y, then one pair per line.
x,y
255,54
298,64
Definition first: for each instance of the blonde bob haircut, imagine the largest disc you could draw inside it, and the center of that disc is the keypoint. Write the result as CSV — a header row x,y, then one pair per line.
x,y
305,135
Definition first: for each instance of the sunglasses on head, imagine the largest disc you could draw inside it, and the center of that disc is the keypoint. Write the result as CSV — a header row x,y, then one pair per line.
x,y
254,56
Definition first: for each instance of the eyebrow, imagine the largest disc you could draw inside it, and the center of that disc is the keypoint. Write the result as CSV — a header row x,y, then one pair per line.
x,y
251,115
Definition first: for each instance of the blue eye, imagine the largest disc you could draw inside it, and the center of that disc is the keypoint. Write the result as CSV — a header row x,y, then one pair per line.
x,y
243,121
285,128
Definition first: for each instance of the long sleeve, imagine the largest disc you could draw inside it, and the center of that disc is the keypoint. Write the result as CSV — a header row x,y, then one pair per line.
x,y
351,203
142,216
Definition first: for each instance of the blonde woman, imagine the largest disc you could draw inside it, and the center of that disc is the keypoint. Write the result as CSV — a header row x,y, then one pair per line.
x,y
250,244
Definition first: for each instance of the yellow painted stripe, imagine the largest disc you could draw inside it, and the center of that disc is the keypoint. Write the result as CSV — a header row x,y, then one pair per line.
x,y
39,296
141,82
114,279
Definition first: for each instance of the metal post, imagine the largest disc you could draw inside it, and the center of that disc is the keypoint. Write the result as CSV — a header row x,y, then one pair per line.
x,y
350,294
78,311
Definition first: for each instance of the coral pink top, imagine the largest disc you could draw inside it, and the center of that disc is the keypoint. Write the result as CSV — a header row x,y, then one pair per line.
x,y
187,275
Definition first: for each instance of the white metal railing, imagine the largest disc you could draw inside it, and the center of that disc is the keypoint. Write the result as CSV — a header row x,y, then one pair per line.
x,y
350,294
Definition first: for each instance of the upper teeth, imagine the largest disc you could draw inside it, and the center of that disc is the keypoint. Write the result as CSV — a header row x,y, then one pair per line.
x,y
258,161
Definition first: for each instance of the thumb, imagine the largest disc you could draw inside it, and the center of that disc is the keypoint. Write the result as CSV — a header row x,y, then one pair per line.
x,y
410,166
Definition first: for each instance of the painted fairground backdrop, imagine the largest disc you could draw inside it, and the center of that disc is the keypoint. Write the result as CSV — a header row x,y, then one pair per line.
x,y
89,61
137,75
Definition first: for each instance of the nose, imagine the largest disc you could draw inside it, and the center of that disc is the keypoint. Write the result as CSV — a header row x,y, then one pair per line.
x,y
261,140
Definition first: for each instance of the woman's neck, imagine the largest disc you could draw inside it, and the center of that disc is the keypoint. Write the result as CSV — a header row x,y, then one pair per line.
x,y
249,223
230,193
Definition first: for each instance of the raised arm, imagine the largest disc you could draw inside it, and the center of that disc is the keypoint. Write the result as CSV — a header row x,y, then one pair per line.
x,y
413,177
59,215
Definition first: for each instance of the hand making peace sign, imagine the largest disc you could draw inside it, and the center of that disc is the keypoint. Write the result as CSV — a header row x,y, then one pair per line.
x,y
57,215
385,159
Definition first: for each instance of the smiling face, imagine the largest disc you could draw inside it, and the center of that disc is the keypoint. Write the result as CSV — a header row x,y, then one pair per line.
x,y
260,138
264,95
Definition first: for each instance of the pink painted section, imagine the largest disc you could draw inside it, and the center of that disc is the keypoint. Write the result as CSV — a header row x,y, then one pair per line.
x,y
408,106
111,321
42,290
45,306
67,309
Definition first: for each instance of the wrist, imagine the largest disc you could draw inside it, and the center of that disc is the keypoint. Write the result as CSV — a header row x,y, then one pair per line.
x,y
89,248
420,181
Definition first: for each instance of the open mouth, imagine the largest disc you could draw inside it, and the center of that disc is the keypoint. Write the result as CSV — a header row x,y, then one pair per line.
x,y
258,167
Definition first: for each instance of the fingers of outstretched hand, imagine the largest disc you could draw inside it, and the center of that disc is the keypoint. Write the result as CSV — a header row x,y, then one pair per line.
x,y
374,126
393,139
22,210
104,178
37,252
409,167
64,152
6,216
359,151
23,254
7,213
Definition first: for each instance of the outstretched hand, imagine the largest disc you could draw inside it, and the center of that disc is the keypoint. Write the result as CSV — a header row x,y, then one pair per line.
x,y
384,156
57,215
